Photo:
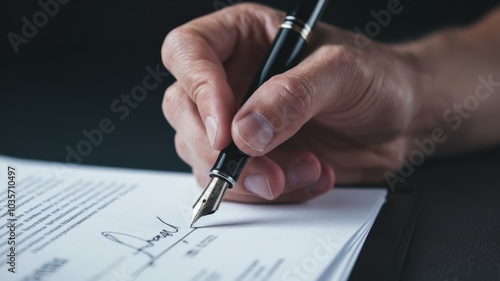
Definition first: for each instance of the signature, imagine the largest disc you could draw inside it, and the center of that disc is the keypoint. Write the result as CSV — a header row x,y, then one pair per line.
x,y
140,245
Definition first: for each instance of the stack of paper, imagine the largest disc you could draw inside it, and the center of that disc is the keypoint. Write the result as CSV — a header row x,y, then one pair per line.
x,y
95,223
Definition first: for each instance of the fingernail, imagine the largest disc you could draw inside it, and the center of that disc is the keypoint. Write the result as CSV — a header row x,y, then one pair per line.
x,y
320,186
255,131
259,185
211,127
303,172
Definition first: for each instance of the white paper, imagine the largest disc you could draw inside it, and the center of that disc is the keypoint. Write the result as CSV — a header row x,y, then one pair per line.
x,y
97,223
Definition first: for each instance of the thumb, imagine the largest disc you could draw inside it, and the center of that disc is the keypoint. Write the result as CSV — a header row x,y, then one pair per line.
x,y
278,109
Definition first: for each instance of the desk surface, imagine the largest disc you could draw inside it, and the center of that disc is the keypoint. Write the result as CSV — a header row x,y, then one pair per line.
x,y
457,235
64,80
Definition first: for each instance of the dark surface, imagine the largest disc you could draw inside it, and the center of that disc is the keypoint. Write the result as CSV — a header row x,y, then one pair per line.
x,y
384,250
65,79
457,234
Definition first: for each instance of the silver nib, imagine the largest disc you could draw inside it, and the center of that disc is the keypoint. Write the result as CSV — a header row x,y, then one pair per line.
x,y
210,199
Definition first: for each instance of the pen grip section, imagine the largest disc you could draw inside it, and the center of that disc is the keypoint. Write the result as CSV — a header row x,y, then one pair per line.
x,y
229,164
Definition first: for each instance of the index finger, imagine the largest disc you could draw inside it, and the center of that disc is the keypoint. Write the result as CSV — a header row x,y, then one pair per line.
x,y
195,54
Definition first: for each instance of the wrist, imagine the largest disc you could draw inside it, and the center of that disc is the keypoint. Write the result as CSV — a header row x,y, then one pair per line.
x,y
429,67
447,67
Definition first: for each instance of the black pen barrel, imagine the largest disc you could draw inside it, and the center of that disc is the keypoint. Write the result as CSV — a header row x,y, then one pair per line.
x,y
288,45
285,53
309,11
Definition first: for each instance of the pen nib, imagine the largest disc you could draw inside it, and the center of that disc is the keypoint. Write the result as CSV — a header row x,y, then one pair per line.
x,y
210,199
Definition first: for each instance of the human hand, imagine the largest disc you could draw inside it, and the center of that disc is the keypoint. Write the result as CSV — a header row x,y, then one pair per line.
x,y
341,109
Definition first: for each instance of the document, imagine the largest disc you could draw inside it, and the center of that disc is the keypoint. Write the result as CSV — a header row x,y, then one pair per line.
x,y
77,222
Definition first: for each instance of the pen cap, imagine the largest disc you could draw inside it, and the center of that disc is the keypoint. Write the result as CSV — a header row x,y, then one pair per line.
x,y
309,11
287,47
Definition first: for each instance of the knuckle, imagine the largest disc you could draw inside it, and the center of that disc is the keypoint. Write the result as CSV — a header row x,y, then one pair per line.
x,y
296,96
171,45
345,60
201,88
352,76
173,52
201,81
172,36
174,102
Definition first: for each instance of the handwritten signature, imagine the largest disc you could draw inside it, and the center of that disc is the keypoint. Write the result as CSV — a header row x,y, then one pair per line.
x,y
141,244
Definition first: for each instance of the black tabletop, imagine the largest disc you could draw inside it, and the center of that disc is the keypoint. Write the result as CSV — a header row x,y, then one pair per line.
x,y
65,78
457,233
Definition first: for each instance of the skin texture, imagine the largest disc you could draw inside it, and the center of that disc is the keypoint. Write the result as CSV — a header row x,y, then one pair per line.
x,y
343,115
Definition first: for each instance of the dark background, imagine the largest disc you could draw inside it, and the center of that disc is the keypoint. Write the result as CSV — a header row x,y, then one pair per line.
x,y
65,78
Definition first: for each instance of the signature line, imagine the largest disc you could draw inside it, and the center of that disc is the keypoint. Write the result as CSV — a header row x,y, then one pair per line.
x,y
145,266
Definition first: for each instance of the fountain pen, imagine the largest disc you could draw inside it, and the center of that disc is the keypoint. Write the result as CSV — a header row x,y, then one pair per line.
x,y
285,53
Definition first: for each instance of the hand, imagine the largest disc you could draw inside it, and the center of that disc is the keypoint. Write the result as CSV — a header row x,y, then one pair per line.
x,y
341,109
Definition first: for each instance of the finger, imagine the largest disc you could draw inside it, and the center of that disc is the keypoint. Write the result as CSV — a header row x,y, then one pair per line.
x,y
365,164
324,184
203,78
183,116
261,178
264,180
180,110
301,168
320,187
197,154
282,105
191,141
195,53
